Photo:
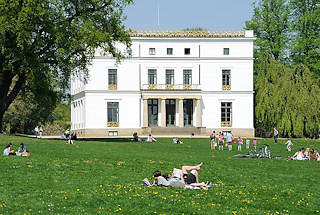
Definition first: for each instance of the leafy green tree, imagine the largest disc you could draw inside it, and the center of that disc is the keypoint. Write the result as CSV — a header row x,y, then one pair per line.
x,y
306,33
287,99
43,42
270,23
27,111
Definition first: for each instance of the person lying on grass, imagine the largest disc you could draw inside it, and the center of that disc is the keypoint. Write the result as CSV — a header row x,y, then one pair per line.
x,y
186,179
176,140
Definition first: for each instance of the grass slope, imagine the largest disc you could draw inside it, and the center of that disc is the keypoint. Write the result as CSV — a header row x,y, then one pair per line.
x,y
104,177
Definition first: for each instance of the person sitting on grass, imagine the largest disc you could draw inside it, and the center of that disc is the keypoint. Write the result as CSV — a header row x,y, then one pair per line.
x,y
135,137
176,141
298,155
151,139
7,150
306,154
23,150
314,155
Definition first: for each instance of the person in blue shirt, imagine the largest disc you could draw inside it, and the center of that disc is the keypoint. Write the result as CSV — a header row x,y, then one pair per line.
x,y
229,140
23,150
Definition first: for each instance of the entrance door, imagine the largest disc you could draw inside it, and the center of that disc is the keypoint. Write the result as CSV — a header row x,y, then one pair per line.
x,y
152,112
170,112
188,112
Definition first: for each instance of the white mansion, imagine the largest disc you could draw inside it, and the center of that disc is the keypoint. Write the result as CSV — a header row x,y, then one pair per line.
x,y
173,83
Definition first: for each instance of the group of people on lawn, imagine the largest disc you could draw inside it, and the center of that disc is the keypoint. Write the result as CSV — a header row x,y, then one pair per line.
x,y
219,139
306,154
22,151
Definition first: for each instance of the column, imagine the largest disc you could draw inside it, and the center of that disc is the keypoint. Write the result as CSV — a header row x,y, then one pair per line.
x,y
180,102
145,113
163,112
198,114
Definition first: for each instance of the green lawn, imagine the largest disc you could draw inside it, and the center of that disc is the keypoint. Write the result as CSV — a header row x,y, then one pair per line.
x,y
105,177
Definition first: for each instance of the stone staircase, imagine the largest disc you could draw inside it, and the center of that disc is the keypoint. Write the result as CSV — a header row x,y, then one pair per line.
x,y
173,131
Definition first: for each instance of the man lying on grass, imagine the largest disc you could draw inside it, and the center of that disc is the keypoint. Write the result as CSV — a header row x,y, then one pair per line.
x,y
186,180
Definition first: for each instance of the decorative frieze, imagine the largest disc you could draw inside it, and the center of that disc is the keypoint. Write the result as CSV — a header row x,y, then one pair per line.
x,y
112,87
226,87
226,124
113,124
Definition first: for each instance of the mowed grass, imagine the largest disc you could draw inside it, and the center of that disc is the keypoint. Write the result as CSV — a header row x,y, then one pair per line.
x,y
105,177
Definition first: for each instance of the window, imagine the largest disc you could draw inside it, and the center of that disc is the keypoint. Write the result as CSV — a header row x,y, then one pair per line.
x,y
225,51
226,79
187,76
112,76
113,114
169,76
152,51
187,51
169,51
152,76
226,113
113,133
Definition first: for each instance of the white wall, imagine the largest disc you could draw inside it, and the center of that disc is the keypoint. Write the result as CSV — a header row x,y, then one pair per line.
x,y
241,75
96,110
242,110
127,75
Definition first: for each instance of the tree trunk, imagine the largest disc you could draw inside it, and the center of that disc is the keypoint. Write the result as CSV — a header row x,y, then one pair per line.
x,y
7,94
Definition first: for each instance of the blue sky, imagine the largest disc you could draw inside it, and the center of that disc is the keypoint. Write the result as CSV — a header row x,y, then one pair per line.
x,y
180,14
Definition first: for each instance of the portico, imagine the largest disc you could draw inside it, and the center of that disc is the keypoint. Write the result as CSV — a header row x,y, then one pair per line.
x,y
171,111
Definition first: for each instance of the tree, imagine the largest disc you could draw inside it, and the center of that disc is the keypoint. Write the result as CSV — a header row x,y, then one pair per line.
x,y
43,42
306,33
286,98
270,23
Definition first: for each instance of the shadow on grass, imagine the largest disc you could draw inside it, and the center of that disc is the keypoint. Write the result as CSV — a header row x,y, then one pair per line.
x,y
105,139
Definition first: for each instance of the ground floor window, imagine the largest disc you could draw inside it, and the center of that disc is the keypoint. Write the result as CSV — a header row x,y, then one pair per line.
x,y
152,112
226,114
113,114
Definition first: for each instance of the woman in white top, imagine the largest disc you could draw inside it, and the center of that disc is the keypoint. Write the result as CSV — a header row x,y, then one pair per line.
x,y
7,150
299,155
151,139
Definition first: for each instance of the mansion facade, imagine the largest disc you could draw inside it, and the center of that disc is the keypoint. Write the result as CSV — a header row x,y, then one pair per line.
x,y
173,83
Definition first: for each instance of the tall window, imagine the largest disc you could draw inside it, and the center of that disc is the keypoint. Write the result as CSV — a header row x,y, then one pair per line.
x,y
152,76
113,114
187,51
226,114
169,51
187,76
170,76
112,76
225,51
152,51
226,79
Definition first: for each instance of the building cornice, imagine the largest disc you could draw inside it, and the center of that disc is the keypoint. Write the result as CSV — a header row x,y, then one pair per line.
x,y
158,92
187,34
180,58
